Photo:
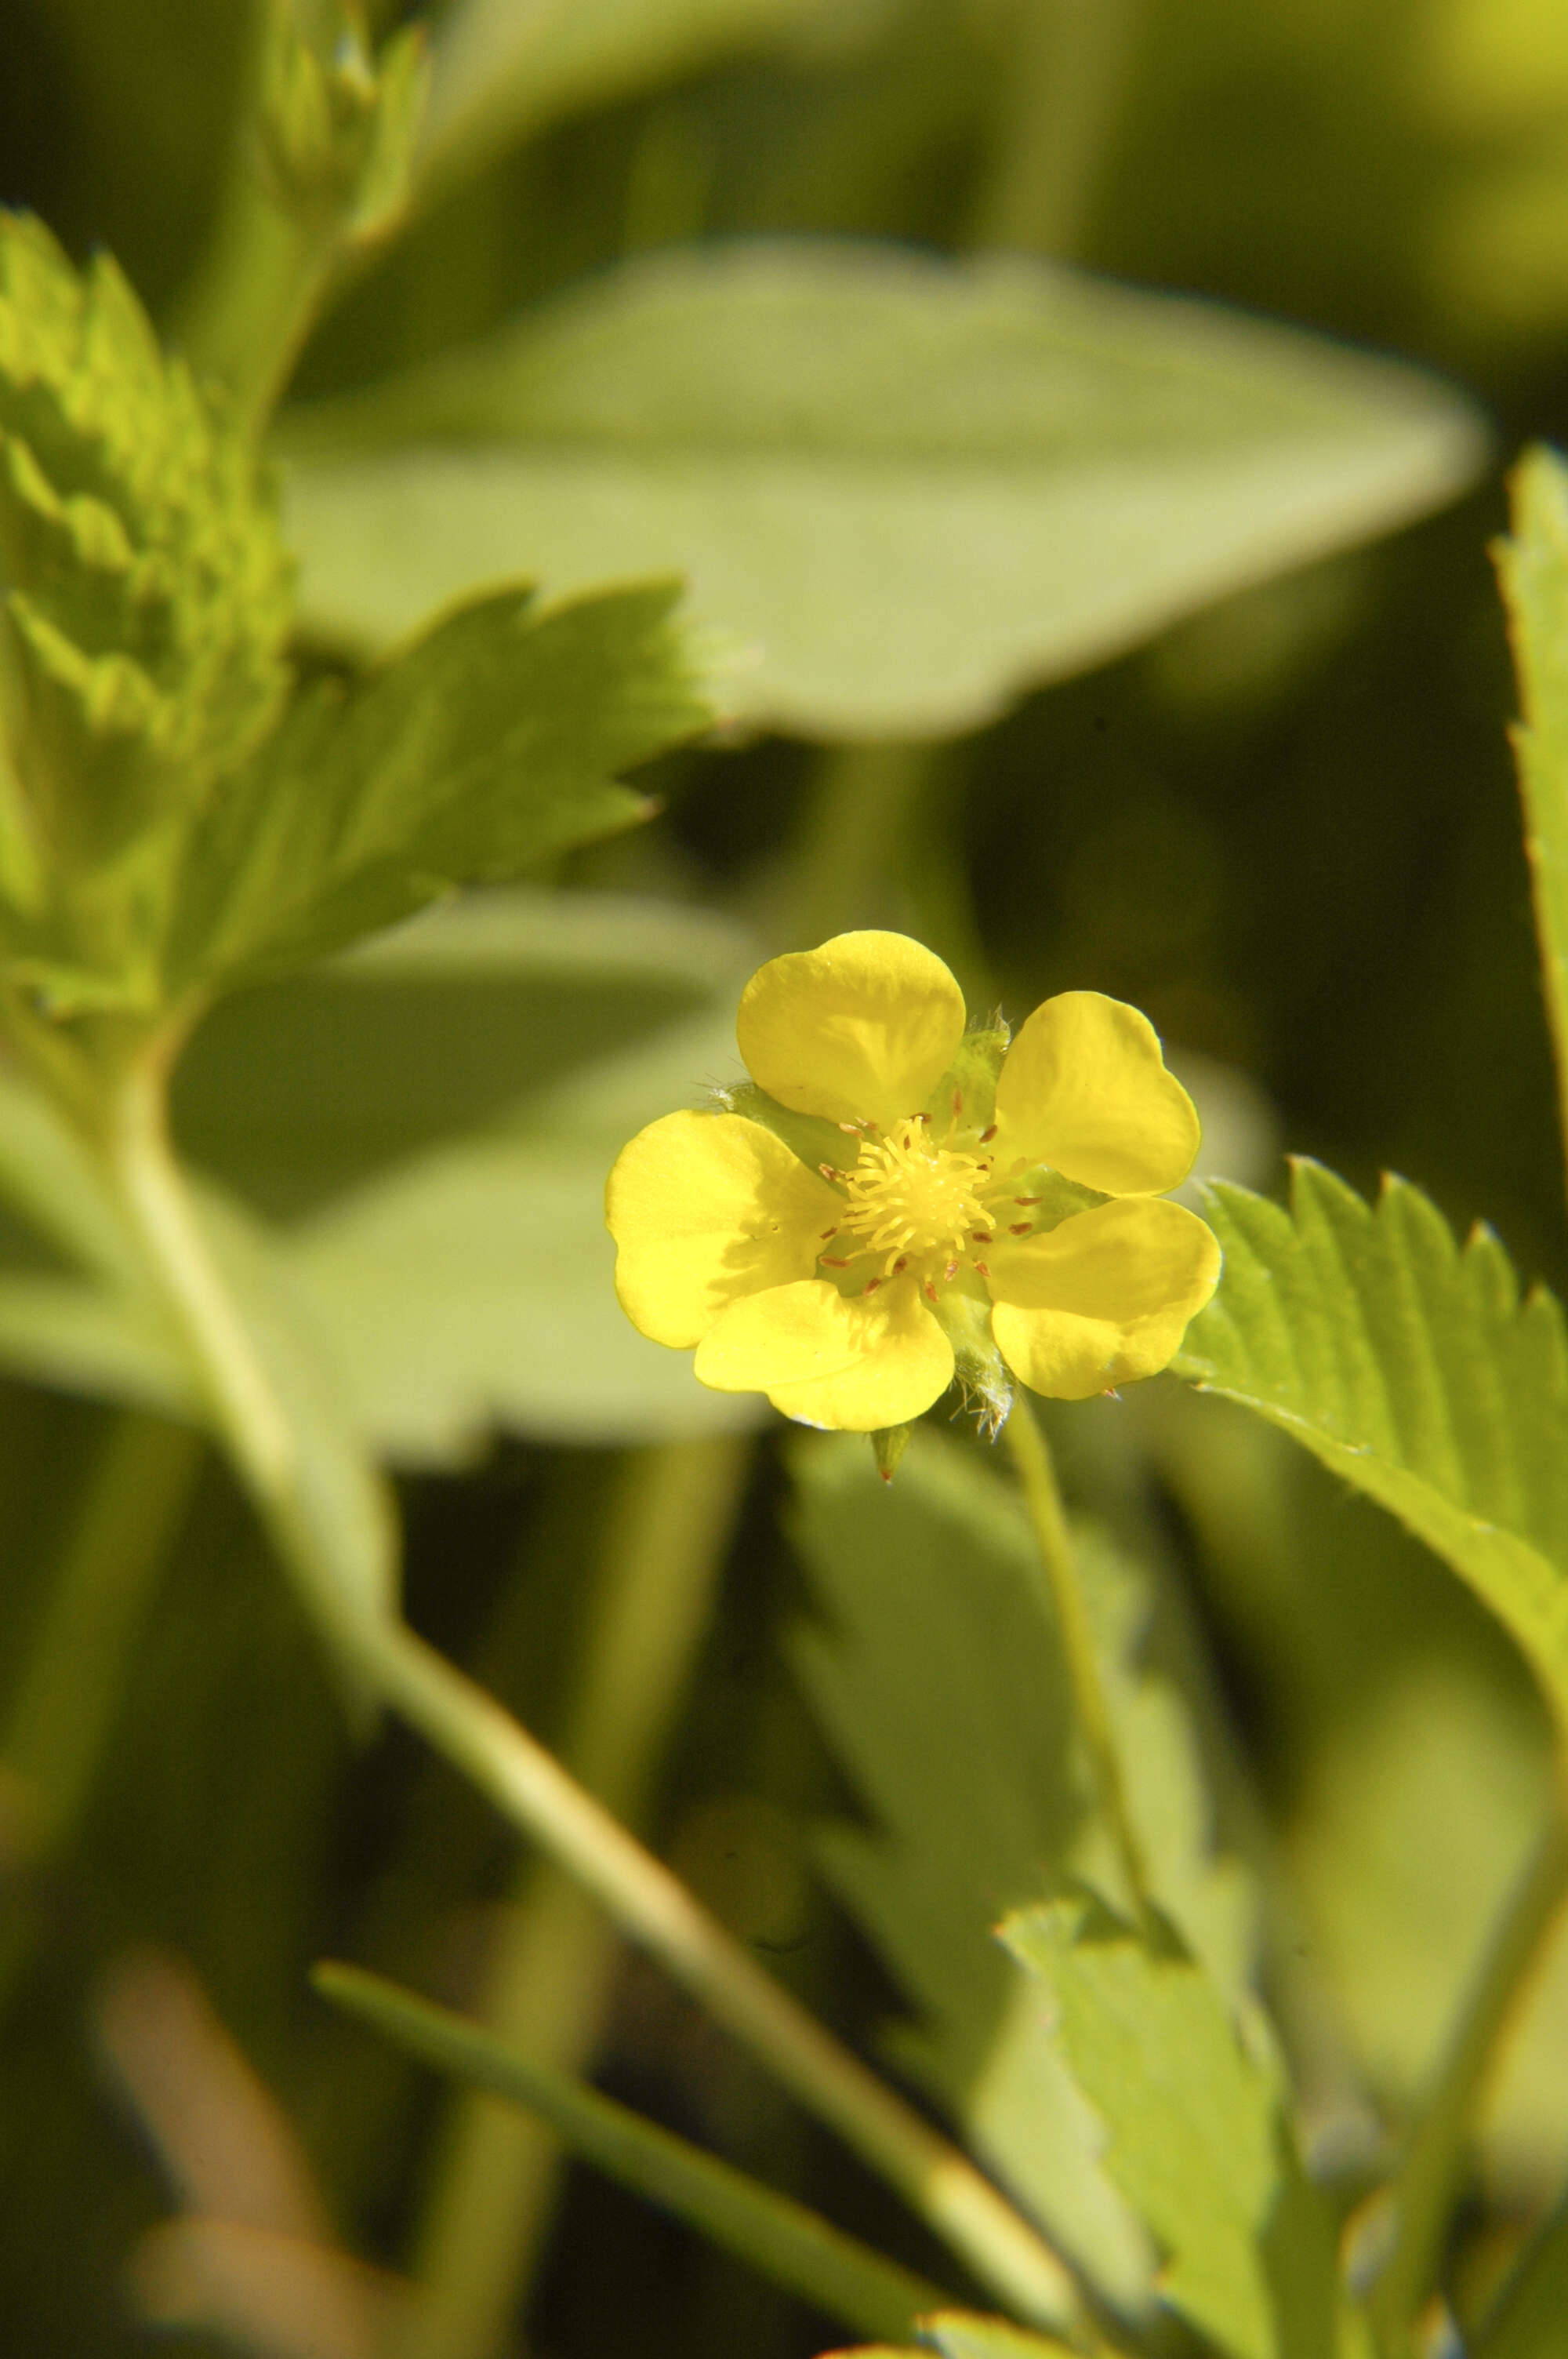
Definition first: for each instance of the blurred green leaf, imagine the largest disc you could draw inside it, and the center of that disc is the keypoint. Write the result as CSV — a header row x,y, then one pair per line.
x,y
941,1688
1412,1368
504,69
1529,2320
793,2244
493,742
917,486
960,2334
433,1118
1198,2140
420,1133
1534,569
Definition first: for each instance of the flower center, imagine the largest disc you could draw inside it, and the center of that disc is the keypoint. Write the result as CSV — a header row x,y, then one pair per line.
x,y
906,1195
920,1204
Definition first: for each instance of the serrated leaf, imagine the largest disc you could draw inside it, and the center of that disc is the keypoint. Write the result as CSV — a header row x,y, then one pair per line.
x,y
1062,466
503,71
935,1652
493,742
1197,2141
794,2245
1411,1367
1534,566
146,590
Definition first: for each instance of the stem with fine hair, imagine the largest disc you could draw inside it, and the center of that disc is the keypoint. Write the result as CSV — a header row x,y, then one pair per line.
x,y
1424,2189
526,1783
662,1549
1058,1560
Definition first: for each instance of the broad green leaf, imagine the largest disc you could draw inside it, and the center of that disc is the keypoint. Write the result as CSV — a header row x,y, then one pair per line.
x,y
1410,1366
794,2245
913,487
493,742
506,68
1534,569
1529,2319
1198,2140
433,1118
424,1127
146,593
935,1650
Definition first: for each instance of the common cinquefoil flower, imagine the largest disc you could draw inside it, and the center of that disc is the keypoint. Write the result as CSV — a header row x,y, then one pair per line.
x,y
898,1200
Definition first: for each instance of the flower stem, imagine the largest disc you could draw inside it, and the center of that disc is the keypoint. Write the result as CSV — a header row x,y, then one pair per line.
x,y
1422,2194
527,1784
666,1541
1058,1559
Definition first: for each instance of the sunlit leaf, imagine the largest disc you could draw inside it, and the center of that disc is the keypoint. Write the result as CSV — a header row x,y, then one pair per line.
x,y
493,740
913,487
1198,2140
1410,1366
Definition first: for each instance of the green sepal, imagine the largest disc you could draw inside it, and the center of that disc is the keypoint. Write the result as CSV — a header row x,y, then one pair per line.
x,y
817,1141
967,1091
963,1310
887,1446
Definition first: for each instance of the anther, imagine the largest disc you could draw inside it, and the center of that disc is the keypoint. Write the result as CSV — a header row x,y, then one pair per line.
x,y
1026,1200
1021,1228
980,1269
828,1262
951,1270
829,1172
833,1232
987,1135
929,1289
870,1286
901,1264
982,1237
958,1103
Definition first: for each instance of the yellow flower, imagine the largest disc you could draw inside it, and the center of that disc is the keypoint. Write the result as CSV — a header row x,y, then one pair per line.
x,y
901,1200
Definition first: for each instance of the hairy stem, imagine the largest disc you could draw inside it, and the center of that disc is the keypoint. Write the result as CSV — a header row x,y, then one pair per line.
x,y
1431,2176
524,1781
661,1553
1058,1559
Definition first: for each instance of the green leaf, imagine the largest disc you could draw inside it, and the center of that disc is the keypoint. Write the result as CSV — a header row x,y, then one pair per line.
x,y
1529,2319
432,1119
1198,2140
792,2244
936,1650
146,590
1534,569
503,70
913,487
1413,1368
491,742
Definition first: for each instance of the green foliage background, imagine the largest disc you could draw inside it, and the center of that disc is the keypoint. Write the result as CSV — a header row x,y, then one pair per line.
x,y
1284,824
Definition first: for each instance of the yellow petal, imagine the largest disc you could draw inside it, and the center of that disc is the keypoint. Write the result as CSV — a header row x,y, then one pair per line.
x,y
861,1029
1084,1087
1102,1300
705,1207
855,1363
